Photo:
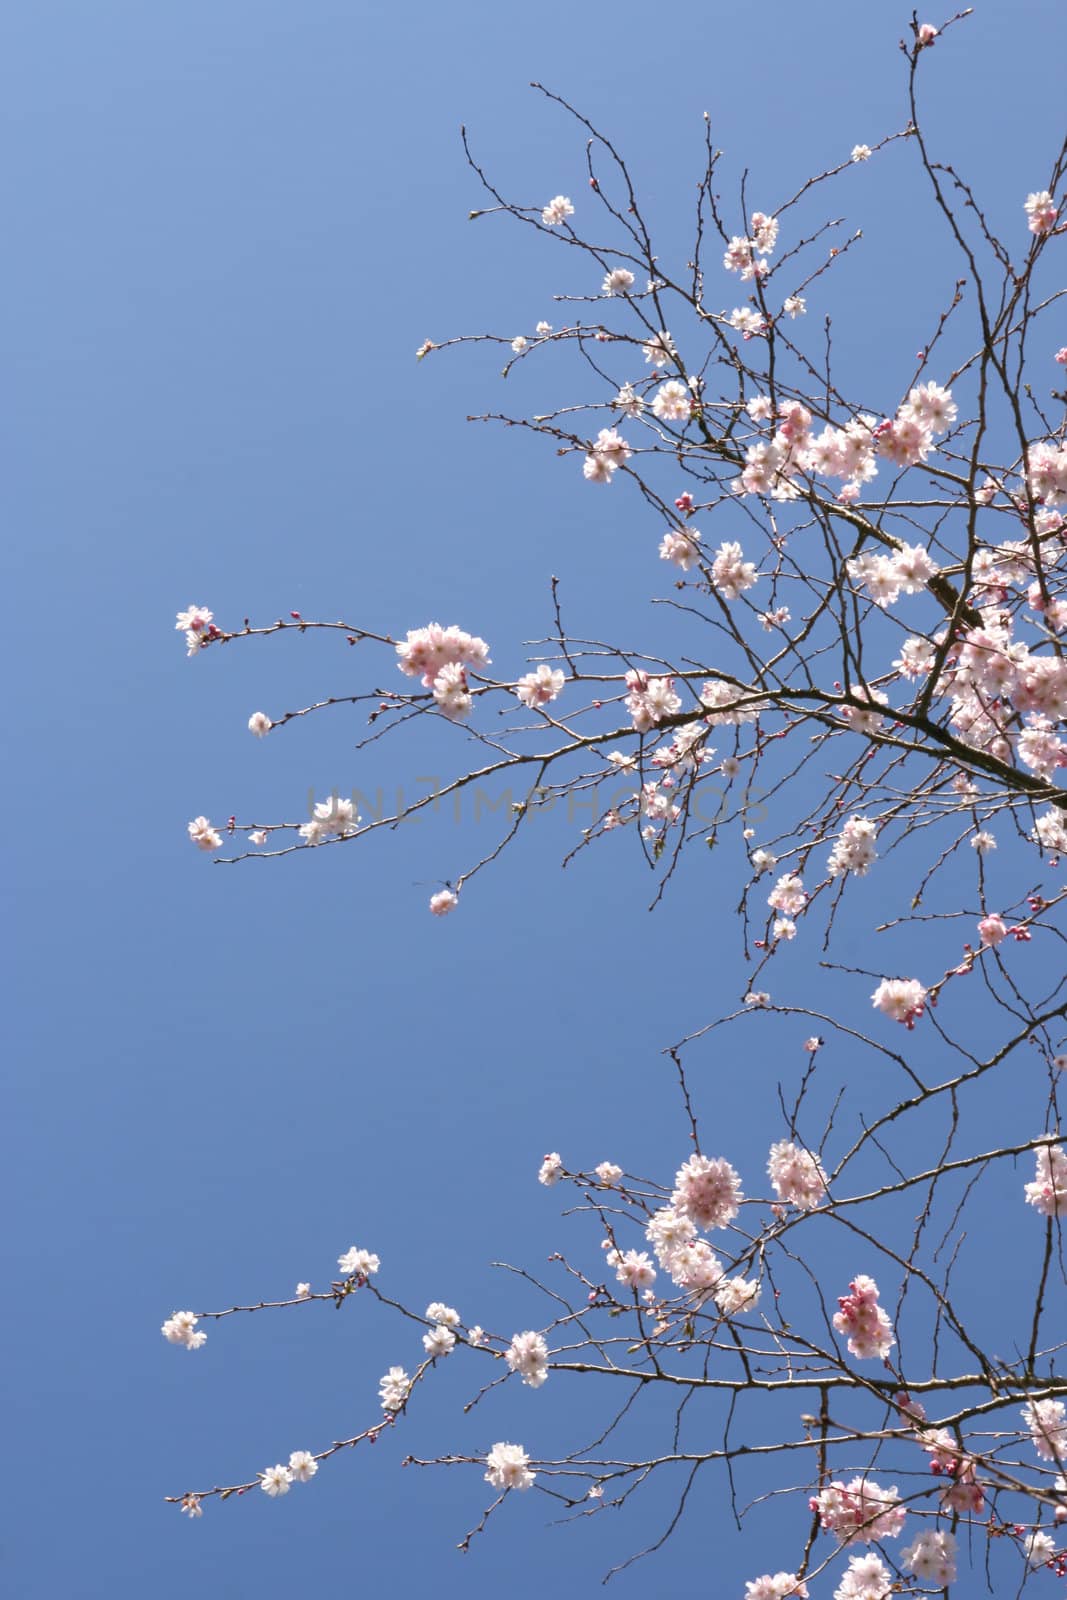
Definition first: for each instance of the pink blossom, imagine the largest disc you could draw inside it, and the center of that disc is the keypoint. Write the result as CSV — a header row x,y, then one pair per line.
x,y
607,453
932,1558
539,688
509,1467
633,1268
1047,1421
451,691
992,930
708,1191
869,1330
797,1175
203,835
865,1578
782,1586
859,1512
527,1355
1041,209
672,402
650,700
426,650
788,895
1048,1192
444,901
903,999
731,573
680,547
557,211
551,1169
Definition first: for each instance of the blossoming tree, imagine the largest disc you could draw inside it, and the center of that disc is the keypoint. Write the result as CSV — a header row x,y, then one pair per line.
x,y
860,661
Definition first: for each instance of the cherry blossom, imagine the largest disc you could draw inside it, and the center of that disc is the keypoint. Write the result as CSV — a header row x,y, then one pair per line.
x,y
619,280
181,1329
708,1191
797,1175
203,835
551,1169
680,546
731,573
539,688
276,1480
1048,1192
302,1466
672,402
903,999
780,1586
1041,211
859,1512
394,1389
509,1467
650,700
788,895
932,1558
853,849
357,1263
557,211
527,1355
869,1330
865,1578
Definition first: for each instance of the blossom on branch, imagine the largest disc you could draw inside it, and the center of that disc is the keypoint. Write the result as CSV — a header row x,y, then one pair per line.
x,y
509,1467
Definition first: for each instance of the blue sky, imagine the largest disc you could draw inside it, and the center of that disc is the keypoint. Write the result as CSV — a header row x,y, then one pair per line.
x,y
228,227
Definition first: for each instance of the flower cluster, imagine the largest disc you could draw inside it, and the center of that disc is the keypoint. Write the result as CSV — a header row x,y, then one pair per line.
x,y
557,211
650,700
903,999
607,454
280,1479
1047,477
865,1578
859,1512
885,578
1041,212
527,1354
335,818
932,1558
509,1467
394,1389
197,623
182,1328
731,573
440,657
1047,1421
853,849
772,465
869,1330
551,1169
539,688
748,256
788,896
707,1191
203,835
797,1176
1048,1192
358,1263
779,1586
680,546
908,438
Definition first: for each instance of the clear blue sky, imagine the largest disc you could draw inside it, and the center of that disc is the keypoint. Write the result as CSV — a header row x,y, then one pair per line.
x,y
227,228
